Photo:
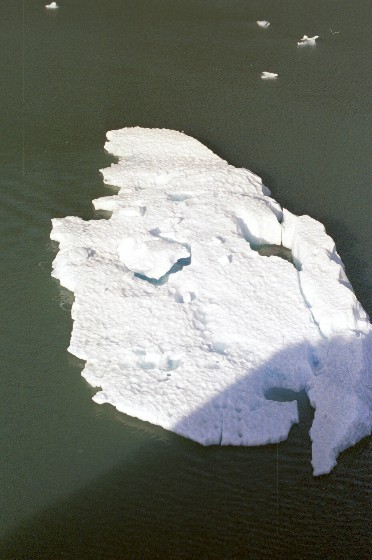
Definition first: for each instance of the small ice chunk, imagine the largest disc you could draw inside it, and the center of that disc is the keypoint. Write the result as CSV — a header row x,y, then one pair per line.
x,y
269,76
52,6
263,23
307,40
152,258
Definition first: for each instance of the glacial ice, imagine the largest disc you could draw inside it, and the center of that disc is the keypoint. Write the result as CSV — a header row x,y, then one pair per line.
x,y
307,41
263,23
198,352
152,258
268,75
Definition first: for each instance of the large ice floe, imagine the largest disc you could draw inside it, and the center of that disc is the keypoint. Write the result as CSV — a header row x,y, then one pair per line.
x,y
187,314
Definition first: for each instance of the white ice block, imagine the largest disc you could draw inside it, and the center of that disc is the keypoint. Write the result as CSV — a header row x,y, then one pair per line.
x,y
199,353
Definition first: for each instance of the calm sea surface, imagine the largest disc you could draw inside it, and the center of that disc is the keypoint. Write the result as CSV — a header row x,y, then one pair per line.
x,y
79,480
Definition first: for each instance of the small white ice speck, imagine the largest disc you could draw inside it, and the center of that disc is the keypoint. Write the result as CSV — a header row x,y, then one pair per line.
x,y
310,41
269,76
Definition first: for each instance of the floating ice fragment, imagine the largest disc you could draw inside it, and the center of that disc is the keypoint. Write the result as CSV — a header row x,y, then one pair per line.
x,y
269,76
307,40
52,6
198,354
263,23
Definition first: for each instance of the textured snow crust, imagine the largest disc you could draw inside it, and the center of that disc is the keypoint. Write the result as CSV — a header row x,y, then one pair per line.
x,y
197,351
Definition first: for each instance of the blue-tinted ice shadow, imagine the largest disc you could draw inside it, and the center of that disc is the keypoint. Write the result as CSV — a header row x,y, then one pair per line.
x,y
163,279
272,382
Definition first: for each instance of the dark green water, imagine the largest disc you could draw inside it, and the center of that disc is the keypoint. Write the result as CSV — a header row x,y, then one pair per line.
x,y
79,480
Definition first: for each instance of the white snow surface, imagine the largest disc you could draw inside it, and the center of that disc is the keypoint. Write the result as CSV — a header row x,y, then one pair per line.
x,y
197,352
152,258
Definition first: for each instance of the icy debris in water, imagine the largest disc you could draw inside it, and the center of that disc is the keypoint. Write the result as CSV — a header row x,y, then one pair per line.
x,y
307,41
263,23
269,76
199,352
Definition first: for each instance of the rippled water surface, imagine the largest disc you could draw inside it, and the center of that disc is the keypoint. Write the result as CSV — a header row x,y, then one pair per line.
x,y
79,480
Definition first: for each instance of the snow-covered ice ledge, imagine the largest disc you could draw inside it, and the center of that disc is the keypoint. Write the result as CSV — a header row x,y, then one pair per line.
x,y
197,350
